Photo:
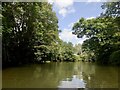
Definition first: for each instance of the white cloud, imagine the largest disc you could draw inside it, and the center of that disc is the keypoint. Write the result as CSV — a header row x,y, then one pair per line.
x,y
66,35
71,10
51,1
90,18
63,3
64,6
102,0
69,2
71,24
93,0
63,12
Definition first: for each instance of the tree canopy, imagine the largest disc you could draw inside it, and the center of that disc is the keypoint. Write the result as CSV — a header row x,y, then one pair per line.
x,y
103,33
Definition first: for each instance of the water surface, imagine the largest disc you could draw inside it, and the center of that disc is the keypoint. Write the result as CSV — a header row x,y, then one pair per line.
x,y
61,75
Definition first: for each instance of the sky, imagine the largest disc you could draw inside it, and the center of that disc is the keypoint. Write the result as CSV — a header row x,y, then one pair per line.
x,y
69,12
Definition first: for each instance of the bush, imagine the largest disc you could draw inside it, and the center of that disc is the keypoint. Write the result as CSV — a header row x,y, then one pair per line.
x,y
115,58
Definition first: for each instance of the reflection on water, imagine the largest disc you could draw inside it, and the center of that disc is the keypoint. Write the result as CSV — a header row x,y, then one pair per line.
x,y
61,75
74,82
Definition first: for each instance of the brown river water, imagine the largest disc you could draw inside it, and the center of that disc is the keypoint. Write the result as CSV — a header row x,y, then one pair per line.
x,y
61,75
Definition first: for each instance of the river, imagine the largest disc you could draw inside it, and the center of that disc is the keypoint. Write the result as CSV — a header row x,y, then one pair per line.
x,y
61,75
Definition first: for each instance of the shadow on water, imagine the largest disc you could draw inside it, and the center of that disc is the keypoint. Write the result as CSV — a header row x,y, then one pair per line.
x,y
61,75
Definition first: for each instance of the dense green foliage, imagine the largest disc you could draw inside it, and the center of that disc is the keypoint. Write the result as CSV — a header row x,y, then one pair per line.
x,y
115,58
17,33
30,34
103,34
111,9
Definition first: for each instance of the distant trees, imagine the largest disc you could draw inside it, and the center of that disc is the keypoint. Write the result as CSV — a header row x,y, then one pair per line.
x,y
103,34
78,49
67,51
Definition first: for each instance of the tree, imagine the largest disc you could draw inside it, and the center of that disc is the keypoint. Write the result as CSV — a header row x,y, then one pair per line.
x,y
27,28
46,33
111,9
103,33
18,31
100,32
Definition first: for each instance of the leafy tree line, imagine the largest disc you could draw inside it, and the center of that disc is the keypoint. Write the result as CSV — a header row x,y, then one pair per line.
x,y
30,34
103,33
